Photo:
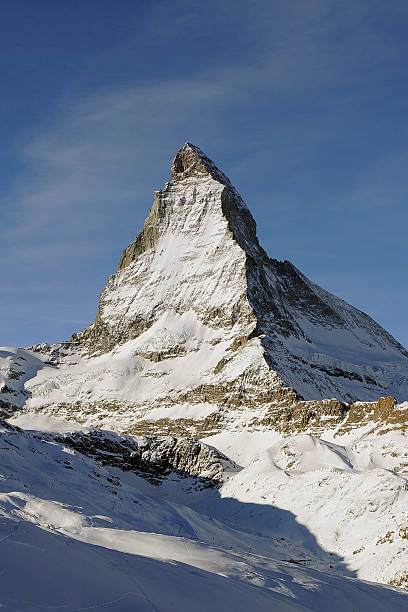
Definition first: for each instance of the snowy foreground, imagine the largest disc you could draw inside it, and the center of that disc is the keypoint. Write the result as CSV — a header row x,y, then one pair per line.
x,y
79,535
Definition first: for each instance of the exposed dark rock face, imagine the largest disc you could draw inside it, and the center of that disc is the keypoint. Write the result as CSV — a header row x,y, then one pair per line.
x,y
317,416
149,235
6,409
153,458
192,162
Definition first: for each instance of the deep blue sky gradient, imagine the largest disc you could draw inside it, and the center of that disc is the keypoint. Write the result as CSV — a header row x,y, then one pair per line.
x,y
302,104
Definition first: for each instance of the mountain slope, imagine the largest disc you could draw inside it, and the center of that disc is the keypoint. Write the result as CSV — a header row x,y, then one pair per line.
x,y
344,492
79,534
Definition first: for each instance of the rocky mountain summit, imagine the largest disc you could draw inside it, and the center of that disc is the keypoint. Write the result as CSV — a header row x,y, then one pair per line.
x,y
199,327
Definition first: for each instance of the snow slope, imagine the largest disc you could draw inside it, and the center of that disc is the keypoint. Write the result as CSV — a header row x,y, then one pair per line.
x,y
78,535
348,495
17,366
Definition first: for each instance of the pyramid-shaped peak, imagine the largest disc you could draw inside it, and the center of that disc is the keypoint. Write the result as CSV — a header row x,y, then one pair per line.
x,y
196,276
191,161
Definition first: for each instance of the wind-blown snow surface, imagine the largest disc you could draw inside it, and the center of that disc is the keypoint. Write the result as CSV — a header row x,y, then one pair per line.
x,y
346,495
77,535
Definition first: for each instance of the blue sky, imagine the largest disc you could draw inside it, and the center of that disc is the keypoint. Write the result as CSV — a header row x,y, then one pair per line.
x,y
302,104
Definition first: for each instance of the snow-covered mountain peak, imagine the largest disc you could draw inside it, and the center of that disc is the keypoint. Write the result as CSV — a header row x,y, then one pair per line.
x,y
199,334
200,330
199,201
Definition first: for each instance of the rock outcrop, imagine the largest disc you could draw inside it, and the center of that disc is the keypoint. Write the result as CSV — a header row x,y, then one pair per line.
x,y
154,459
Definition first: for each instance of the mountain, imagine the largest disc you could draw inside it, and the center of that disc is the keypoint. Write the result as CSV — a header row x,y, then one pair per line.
x,y
225,434
199,329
